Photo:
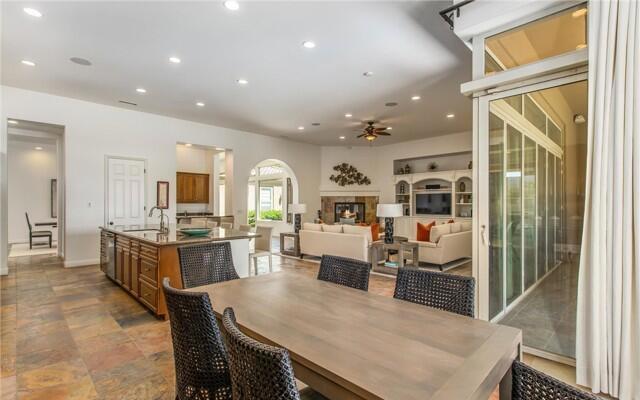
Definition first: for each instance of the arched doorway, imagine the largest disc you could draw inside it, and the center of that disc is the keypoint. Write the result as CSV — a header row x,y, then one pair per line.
x,y
272,188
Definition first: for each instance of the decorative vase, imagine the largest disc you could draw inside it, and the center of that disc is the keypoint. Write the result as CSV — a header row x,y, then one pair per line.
x,y
407,169
462,187
470,166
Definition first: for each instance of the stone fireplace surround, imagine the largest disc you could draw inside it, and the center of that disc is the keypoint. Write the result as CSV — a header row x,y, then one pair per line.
x,y
328,206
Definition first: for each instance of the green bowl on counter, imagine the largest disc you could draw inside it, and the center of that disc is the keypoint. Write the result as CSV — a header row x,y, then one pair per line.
x,y
195,231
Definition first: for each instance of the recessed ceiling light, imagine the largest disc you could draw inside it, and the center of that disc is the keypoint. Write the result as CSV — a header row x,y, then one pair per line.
x,y
200,104
141,90
389,128
368,73
232,5
450,115
220,149
242,81
80,61
308,44
13,122
188,144
348,115
581,46
579,13
414,98
38,148
33,12
175,60
342,138
301,128
29,63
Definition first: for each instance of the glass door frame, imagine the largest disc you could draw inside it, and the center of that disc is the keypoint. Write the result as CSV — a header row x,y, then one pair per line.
x,y
481,183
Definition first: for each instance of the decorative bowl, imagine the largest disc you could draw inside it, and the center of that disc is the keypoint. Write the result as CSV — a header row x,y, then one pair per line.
x,y
195,231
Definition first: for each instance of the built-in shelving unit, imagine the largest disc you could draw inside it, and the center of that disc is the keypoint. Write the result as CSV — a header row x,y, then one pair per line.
x,y
456,183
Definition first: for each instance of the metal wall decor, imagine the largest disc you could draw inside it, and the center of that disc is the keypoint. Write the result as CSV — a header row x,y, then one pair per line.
x,y
349,175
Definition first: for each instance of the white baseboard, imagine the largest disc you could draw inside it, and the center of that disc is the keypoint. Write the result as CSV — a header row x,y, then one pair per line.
x,y
81,263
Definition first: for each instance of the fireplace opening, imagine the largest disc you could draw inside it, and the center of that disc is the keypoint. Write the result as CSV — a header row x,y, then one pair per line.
x,y
349,213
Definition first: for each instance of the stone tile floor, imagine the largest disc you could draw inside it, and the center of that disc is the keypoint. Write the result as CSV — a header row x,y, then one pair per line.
x,y
73,334
547,316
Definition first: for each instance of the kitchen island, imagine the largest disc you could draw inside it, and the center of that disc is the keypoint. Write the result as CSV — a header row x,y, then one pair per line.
x,y
139,257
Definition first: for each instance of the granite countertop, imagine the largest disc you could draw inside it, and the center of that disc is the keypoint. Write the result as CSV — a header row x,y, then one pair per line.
x,y
201,215
150,233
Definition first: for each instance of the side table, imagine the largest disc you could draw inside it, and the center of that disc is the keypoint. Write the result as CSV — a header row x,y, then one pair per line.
x,y
400,246
290,244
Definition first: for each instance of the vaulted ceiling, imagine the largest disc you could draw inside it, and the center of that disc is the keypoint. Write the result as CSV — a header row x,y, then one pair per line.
x,y
407,47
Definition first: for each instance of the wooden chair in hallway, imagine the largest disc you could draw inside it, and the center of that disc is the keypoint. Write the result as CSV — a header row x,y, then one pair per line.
x,y
531,384
447,292
207,263
345,271
37,234
201,364
259,371
262,247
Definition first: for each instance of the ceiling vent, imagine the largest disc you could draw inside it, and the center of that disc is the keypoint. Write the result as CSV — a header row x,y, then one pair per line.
x,y
127,102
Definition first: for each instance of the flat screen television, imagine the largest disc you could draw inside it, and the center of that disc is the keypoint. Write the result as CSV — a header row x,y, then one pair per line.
x,y
433,203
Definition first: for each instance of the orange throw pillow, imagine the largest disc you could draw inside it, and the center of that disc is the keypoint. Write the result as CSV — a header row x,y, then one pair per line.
x,y
375,231
424,231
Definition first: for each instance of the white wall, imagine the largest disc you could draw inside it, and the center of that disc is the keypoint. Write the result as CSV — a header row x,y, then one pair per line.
x,y
29,186
93,131
376,162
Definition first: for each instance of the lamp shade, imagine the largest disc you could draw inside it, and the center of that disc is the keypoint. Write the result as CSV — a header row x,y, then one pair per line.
x,y
389,210
297,208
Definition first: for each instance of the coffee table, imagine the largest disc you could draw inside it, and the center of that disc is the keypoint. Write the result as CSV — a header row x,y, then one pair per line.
x,y
399,245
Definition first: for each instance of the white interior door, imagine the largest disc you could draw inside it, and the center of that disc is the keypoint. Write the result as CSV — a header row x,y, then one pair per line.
x,y
126,191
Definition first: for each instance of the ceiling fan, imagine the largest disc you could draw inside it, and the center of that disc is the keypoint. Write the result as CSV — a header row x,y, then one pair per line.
x,y
371,133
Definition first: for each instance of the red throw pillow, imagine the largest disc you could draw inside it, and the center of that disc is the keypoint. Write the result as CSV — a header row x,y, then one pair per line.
x,y
424,231
375,231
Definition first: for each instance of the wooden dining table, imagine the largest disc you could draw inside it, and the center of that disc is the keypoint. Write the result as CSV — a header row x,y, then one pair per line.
x,y
350,344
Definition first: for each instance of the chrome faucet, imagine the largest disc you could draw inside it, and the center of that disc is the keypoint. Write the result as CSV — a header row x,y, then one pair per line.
x,y
163,228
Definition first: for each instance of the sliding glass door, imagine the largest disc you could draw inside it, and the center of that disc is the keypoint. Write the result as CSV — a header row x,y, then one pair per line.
x,y
533,147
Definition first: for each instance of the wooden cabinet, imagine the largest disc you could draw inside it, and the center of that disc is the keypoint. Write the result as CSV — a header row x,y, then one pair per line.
x,y
119,261
135,273
192,188
126,268
141,266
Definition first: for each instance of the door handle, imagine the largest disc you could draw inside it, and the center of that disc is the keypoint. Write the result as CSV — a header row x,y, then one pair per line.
x,y
483,234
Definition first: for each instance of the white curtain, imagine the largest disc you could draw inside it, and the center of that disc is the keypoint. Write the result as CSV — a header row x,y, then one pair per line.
x,y
608,323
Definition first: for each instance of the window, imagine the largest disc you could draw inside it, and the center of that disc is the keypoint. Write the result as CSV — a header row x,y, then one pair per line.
x,y
556,34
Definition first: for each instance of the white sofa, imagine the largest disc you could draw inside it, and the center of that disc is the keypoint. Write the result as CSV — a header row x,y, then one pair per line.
x,y
336,240
448,242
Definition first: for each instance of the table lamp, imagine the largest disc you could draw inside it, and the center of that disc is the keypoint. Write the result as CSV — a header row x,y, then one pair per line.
x,y
297,210
389,212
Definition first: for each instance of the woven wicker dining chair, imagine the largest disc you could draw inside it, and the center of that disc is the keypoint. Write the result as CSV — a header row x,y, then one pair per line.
x,y
447,292
345,271
207,263
201,365
531,384
259,371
